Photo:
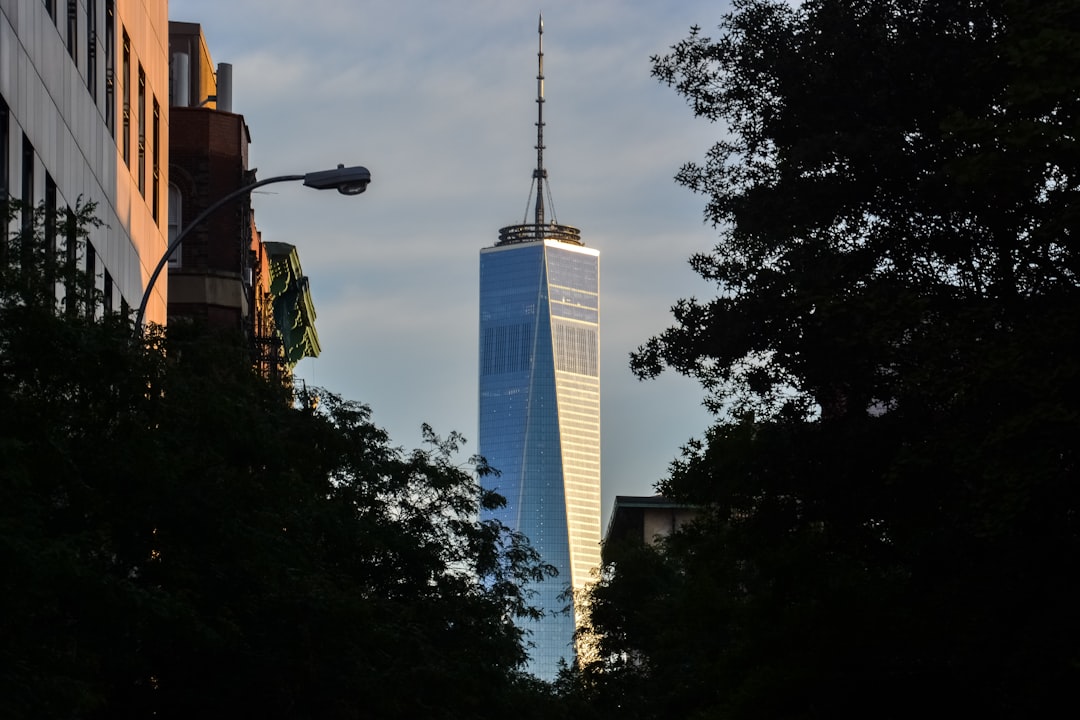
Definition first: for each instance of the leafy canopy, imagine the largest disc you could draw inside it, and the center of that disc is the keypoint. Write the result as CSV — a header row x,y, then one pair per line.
x,y
180,540
888,171
889,498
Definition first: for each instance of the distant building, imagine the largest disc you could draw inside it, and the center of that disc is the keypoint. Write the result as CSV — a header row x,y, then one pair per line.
x,y
639,521
221,274
539,416
83,114
292,308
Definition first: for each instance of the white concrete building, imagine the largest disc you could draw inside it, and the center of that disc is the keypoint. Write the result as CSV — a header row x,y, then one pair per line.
x,y
84,99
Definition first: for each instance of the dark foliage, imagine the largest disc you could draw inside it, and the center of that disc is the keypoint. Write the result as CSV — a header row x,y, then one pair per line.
x,y
179,540
892,519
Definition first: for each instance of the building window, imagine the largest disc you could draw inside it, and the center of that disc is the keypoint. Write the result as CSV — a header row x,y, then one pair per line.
x,y
27,184
91,280
110,68
73,29
50,7
155,195
125,81
141,109
175,222
4,168
71,259
50,230
107,297
91,48
4,165
26,239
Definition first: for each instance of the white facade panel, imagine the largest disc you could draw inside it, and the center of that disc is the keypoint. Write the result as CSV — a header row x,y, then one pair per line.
x,y
45,89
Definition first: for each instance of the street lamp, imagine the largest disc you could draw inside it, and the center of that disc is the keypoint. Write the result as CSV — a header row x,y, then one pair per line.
x,y
346,180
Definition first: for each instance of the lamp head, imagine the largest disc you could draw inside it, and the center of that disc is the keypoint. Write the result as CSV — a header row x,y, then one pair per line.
x,y
346,180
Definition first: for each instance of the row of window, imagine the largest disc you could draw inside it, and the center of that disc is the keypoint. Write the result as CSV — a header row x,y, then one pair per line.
x,y
509,349
576,349
5,166
506,348
73,300
72,36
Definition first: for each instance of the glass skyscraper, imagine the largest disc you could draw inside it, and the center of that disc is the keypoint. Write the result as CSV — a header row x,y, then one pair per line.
x,y
540,414
540,403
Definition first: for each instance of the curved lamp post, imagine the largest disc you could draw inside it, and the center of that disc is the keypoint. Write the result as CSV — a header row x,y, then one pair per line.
x,y
346,180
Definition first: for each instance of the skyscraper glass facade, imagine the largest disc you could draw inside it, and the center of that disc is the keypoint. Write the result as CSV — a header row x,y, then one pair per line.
x,y
540,416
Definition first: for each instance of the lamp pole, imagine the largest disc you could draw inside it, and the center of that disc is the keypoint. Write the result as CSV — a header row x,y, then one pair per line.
x,y
346,180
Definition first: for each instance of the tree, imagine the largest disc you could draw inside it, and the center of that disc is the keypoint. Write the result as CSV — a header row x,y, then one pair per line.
x,y
887,164
892,471
180,540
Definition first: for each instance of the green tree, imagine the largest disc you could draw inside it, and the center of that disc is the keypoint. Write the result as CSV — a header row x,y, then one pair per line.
x,y
180,540
894,512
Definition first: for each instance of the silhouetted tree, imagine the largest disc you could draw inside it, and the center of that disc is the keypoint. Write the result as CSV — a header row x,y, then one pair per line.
x,y
179,539
892,475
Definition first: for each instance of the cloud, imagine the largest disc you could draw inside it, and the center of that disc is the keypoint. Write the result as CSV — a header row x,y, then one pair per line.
x,y
438,100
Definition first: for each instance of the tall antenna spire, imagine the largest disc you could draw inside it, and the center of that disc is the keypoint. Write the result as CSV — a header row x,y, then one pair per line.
x,y
540,228
540,174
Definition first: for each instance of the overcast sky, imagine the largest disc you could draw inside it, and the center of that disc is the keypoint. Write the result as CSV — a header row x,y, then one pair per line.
x,y
437,99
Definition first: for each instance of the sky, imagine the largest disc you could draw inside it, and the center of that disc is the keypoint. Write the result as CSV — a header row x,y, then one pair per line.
x,y
437,99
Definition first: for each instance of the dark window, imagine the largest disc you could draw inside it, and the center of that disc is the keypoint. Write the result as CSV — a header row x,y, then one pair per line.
x,y
50,7
73,29
26,241
90,278
107,298
506,349
4,165
175,215
110,68
50,230
27,183
71,267
156,194
141,109
91,48
125,81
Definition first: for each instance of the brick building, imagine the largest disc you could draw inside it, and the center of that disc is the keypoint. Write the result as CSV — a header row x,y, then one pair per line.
x,y
220,275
